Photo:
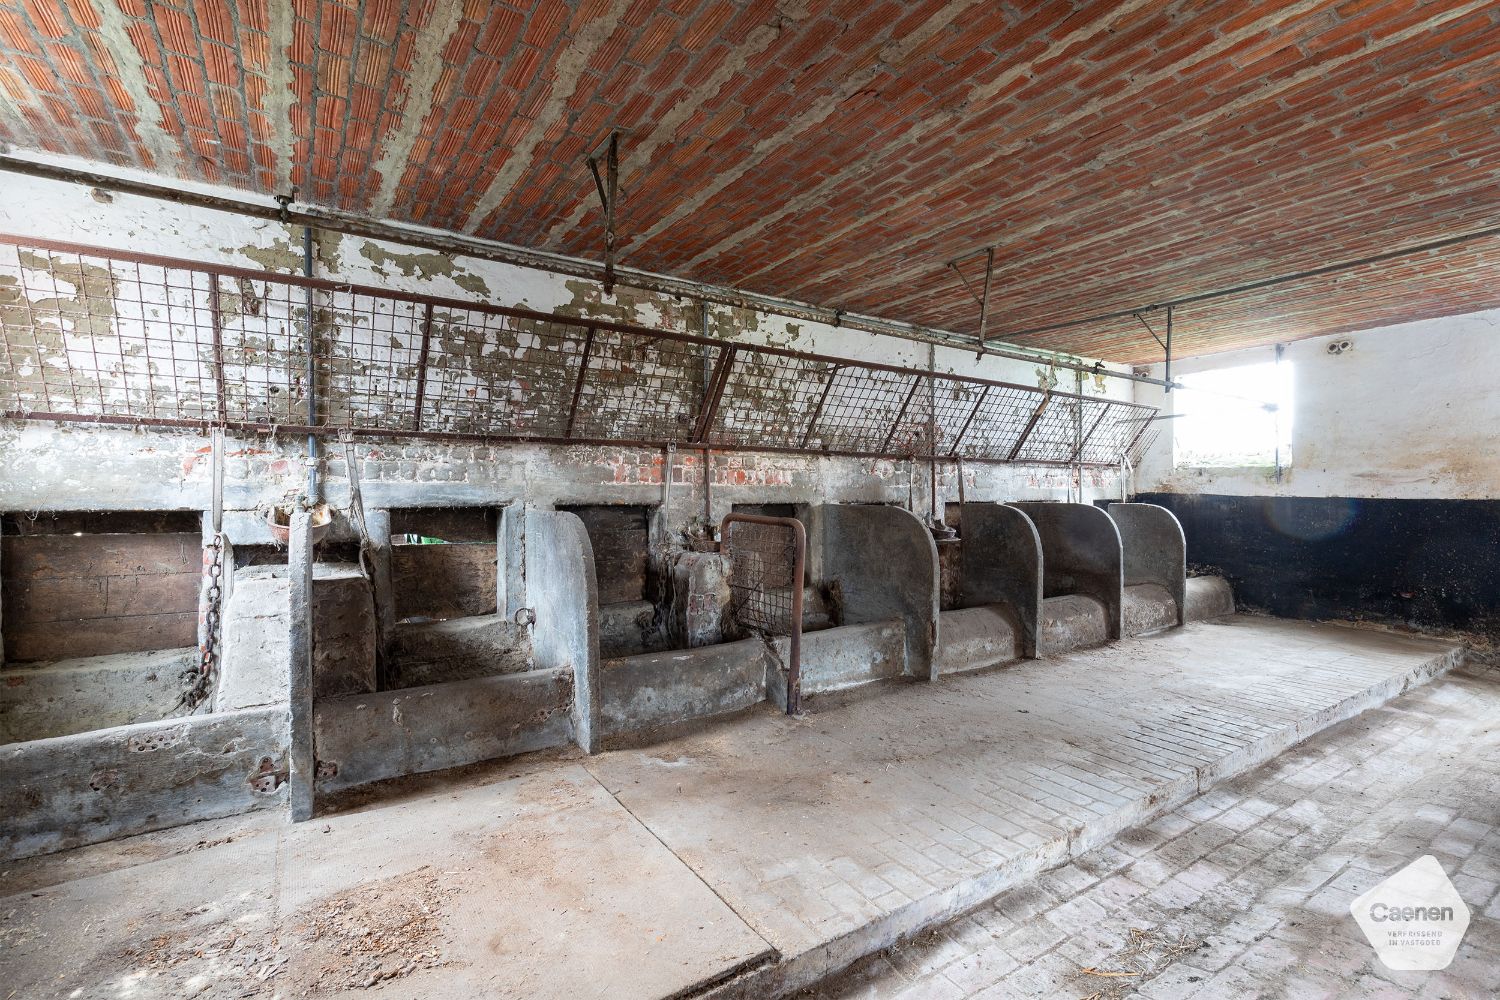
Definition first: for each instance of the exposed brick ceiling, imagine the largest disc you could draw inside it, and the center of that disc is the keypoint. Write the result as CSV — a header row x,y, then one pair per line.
x,y
1117,153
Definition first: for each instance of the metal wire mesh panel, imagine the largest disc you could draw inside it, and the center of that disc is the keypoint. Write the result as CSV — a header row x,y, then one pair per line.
x,y
369,358
90,334
999,422
768,400
492,374
262,358
643,388
1055,436
767,556
1116,433
85,336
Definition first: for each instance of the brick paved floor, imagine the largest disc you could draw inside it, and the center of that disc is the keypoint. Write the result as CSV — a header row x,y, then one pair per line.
x,y
1245,891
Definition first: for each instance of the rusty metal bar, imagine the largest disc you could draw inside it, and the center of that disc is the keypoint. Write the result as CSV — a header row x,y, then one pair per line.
x,y
1031,426
215,307
896,425
583,374
1083,439
261,427
352,225
711,405
416,416
984,306
812,424
443,301
765,617
609,189
962,431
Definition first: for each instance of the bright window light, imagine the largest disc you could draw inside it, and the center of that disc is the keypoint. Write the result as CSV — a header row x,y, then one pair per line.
x,y
1234,417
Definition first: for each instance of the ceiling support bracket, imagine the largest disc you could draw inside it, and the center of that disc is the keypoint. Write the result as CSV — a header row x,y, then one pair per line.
x,y
609,190
983,298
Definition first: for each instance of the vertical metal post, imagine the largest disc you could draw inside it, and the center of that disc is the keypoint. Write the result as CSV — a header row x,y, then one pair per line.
x,y
378,527
1078,432
984,304
416,415
1167,375
216,311
583,374
313,492
301,774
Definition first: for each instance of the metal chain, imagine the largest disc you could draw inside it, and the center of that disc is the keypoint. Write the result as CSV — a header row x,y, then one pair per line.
x,y
200,681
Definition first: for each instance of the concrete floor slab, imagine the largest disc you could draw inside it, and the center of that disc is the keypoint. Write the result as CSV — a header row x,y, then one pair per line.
x,y
538,886
745,860
836,835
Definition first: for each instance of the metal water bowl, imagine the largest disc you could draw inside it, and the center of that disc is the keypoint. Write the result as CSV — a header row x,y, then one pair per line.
x,y
279,520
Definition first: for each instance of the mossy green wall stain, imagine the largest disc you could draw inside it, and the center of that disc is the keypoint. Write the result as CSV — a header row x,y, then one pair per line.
x,y
422,265
280,256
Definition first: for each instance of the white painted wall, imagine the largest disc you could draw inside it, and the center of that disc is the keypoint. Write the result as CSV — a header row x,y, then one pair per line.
x,y
1410,412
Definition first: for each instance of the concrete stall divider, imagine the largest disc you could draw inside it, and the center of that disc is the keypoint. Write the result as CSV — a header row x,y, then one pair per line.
x,y
1082,574
882,563
1001,563
1155,560
563,595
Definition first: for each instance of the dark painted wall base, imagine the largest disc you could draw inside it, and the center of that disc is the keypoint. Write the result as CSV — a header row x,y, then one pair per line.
x,y
1425,563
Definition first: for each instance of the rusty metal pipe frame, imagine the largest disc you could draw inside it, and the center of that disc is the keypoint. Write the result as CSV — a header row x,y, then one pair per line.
x,y
388,433
468,246
799,568
728,352
324,284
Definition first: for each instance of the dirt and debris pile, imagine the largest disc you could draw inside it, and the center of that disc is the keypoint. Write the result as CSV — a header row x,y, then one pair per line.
x,y
382,931
358,939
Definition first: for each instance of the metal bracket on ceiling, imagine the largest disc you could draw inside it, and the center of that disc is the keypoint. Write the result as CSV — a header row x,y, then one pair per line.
x,y
984,298
609,189
282,201
1165,345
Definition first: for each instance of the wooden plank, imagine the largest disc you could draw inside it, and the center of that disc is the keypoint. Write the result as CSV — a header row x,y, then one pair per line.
x,y
102,597
96,637
621,539
444,581
451,524
87,556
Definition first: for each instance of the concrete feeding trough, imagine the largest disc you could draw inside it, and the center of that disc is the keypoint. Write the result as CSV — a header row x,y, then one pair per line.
x,y
1154,551
1082,575
996,582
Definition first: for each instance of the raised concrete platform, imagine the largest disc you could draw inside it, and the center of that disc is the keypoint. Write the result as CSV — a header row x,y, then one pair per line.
x,y
747,860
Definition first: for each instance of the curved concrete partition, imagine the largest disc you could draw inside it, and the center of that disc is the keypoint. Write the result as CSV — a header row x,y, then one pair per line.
x,y
564,595
1155,555
1081,558
884,564
1001,563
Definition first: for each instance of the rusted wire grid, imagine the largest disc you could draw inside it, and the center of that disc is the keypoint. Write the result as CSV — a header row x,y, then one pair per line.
x,y
767,562
132,338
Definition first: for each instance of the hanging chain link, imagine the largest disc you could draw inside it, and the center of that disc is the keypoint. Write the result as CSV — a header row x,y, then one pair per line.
x,y
200,681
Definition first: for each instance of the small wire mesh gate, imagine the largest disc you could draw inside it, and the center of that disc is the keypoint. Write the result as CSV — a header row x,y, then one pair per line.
x,y
767,559
95,335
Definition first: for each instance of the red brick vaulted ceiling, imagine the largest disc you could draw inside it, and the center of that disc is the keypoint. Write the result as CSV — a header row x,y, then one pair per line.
x,y
1117,154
